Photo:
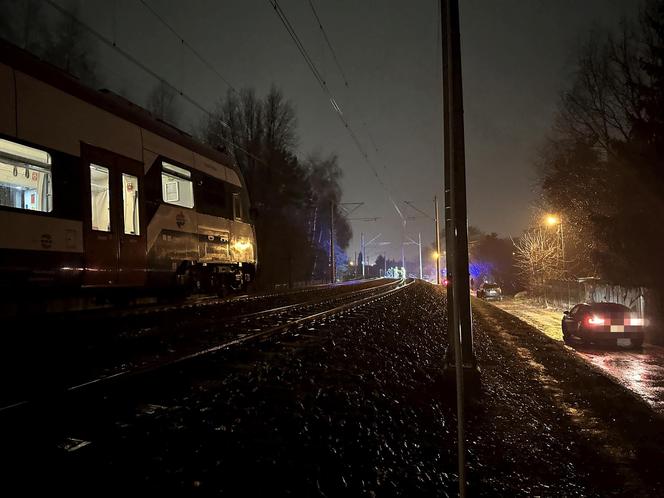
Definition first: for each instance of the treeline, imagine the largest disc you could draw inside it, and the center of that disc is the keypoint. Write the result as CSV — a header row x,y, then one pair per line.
x,y
293,200
602,168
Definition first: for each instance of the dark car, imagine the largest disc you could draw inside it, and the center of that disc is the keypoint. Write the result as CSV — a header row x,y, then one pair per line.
x,y
490,291
599,322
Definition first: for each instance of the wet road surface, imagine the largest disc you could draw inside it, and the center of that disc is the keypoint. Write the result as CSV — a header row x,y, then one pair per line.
x,y
639,370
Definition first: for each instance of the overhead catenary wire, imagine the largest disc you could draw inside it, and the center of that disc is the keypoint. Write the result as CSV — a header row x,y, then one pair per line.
x,y
184,42
342,72
335,105
329,44
114,46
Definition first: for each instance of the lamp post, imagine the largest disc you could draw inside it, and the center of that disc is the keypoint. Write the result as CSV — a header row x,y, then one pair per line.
x,y
553,220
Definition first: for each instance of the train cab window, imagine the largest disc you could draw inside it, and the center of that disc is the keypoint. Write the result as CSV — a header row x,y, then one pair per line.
x,y
100,198
237,207
130,205
176,185
25,177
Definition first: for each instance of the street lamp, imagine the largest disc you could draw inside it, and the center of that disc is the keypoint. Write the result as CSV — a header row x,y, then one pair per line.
x,y
552,220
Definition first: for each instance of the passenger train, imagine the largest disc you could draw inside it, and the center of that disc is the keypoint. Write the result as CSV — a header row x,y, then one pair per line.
x,y
97,193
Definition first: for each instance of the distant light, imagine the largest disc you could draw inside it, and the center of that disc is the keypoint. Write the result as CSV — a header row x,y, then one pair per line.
x,y
436,255
351,263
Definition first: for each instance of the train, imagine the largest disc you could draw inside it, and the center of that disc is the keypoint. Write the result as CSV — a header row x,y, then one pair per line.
x,y
97,193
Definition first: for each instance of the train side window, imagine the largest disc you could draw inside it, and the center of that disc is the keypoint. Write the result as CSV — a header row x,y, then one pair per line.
x,y
176,185
25,177
100,198
130,213
237,207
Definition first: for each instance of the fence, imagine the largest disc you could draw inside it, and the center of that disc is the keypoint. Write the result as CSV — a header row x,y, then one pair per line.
x,y
559,294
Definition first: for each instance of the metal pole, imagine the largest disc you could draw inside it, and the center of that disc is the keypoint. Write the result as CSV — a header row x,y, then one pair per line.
x,y
362,249
447,199
435,203
461,312
450,242
419,241
562,247
458,182
403,254
332,269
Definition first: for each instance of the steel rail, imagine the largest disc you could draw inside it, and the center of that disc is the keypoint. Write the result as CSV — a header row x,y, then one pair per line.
x,y
313,302
243,339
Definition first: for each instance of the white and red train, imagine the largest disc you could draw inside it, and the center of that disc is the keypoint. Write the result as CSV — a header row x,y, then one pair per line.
x,y
96,192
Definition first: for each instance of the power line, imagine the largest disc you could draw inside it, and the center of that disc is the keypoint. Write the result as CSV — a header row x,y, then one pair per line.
x,y
327,40
113,45
184,42
321,82
343,73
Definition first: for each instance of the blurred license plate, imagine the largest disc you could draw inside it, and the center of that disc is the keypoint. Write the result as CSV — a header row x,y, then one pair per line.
x,y
624,342
617,328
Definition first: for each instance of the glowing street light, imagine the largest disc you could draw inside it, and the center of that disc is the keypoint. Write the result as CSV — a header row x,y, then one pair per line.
x,y
552,220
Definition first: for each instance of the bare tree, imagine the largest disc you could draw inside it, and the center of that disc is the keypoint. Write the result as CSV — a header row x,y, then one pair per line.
x,y
604,102
280,121
537,257
606,147
291,198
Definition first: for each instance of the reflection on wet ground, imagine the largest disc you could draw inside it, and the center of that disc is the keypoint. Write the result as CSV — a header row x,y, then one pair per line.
x,y
639,370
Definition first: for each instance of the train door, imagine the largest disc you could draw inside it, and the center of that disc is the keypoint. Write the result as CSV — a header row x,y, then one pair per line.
x,y
114,221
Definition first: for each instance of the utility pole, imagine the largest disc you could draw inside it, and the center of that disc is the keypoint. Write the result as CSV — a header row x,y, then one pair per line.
x,y
457,238
419,241
447,206
403,254
435,205
562,248
363,251
435,219
457,185
332,265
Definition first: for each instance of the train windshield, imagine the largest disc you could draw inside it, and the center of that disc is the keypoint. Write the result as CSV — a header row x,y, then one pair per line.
x,y
25,177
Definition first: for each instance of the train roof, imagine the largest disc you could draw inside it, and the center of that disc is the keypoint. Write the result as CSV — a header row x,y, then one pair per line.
x,y
31,65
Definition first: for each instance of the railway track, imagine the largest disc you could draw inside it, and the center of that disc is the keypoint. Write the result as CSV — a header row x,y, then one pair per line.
x,y
237,331
149,305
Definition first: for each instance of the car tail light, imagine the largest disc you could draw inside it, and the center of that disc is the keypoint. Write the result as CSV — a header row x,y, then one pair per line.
x,y
634,321
595,320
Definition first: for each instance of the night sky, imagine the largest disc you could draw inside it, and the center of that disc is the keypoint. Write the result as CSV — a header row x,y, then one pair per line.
x,y
517,55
